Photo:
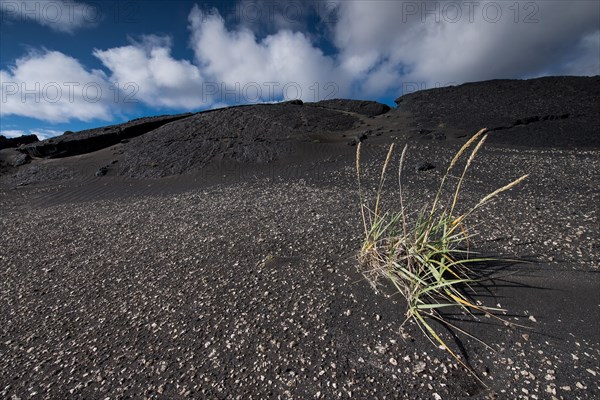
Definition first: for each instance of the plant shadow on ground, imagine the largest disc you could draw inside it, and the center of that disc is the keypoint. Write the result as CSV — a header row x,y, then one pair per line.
x,y
488,278
428,258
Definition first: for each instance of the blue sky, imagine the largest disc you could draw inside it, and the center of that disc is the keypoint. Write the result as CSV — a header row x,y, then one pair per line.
x,y
72,65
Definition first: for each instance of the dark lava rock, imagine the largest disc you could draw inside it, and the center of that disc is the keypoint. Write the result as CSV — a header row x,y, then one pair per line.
x,y
359,138
12,158
543,112
95,139
102,171
428,134
363,107
362,136
424,166
245,134
20,159
6,143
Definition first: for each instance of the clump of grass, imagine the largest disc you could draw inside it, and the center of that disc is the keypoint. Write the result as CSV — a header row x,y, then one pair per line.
x,y
425,258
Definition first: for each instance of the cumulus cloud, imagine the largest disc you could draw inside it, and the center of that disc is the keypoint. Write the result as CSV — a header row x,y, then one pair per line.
x,y
282,65
60,15
230,66
54,87
153,76
386,43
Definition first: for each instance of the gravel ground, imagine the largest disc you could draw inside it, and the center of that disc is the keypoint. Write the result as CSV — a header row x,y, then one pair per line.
x,y
249,289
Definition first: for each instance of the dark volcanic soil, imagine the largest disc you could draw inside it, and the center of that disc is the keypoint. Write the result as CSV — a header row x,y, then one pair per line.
x,y
237,278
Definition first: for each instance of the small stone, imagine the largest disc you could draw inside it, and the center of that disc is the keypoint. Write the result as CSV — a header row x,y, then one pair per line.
x,y
424,166
532,318
393,361
102,171
531,376
419,367
361,136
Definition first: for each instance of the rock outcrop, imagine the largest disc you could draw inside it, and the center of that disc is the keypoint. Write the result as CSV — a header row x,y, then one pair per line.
x,y
72,144
363,107
254,134
543,112
6,143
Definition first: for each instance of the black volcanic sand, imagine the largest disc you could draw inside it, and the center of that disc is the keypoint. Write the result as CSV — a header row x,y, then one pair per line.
x,y
238,277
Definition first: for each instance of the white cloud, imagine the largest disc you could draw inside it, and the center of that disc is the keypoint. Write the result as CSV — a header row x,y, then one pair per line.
x,y
59,15
387,43
56,88
282,61
156,78
40,133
